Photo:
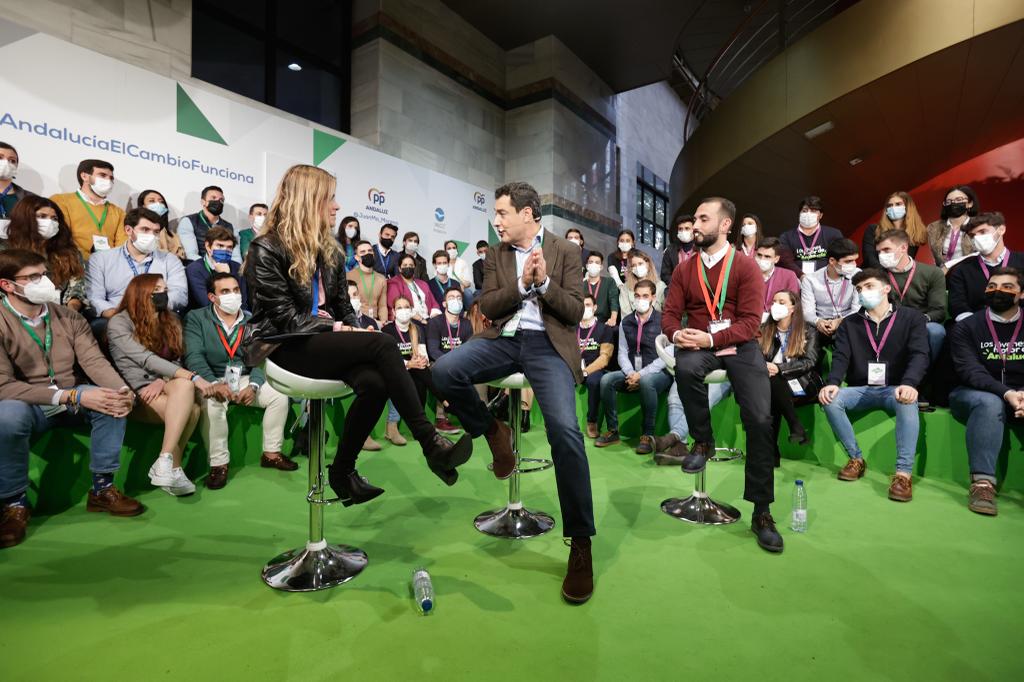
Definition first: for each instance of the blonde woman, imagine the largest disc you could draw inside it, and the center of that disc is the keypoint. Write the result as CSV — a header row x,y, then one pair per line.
x,y
641,267
303,320
899,213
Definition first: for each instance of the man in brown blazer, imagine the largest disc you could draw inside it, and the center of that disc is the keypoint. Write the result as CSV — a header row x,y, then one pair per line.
x,y
533,293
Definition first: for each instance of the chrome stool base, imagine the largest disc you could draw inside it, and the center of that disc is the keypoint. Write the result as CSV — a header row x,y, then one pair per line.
x,y
314,567
514,523
700,509
726,454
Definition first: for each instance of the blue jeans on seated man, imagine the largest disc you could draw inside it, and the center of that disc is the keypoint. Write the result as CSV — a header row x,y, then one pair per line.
x,y
867,398
677,416
936,337
986,416
484,360
651,386
19,421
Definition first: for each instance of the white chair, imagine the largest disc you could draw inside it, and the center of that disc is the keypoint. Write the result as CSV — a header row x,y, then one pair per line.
x,y
513,520
318,565
698,507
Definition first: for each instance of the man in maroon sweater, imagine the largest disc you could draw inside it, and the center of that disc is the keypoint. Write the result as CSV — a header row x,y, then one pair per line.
x,y
721,297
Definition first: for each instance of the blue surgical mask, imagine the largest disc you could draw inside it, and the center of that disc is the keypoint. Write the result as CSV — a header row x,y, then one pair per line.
x,y
455,306
896,212
221,255
870,298
157,207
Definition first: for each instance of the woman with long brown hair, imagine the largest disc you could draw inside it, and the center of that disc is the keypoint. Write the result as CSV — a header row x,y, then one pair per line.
x,y
790,349
899,213
303,321
147,347
38,225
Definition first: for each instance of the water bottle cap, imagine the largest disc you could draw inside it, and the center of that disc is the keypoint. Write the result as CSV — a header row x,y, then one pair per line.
x,y
799,482
426,605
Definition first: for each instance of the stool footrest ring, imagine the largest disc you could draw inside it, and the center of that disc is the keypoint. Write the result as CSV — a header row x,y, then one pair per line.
x,y
542,464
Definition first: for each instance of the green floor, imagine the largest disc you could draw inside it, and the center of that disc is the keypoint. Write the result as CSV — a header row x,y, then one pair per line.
x,y
874,590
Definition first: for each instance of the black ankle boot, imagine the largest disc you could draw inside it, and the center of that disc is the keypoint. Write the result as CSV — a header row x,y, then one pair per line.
x,y
350,487
444,455
498,407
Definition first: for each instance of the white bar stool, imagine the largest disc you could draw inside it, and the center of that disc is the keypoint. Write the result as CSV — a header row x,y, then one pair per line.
x,y
513,520
318,565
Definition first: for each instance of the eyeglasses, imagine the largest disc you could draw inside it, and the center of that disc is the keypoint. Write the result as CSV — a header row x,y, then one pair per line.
x,y
950,202
33,278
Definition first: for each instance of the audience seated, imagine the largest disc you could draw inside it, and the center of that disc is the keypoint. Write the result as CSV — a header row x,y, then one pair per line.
x,y
641,268
914,285
968,279
385,259
348,237
900,213
671,448
406,286
826,295
10,192
478,265
218,246
95,222
444,334
192,228
776,278
602,290
411,246
809,241
620,259
168,241
363,321
947,236
373,286
411,337
442,282
596,348
257,218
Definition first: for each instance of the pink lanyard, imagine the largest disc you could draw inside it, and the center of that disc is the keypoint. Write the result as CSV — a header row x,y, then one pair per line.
x,y
458,334
842,292
580,339
906,287
814,242
1006,259
768,288
639,333
954,239
877,347
998,343
594,290
684,255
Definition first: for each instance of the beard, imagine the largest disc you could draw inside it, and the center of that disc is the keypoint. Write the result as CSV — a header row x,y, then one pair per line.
x,y
703,241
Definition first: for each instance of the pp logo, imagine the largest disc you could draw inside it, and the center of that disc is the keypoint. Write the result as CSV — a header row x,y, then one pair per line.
x,y
479,198
439,215
375,196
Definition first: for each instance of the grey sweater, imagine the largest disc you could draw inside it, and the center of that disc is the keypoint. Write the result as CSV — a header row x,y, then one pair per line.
x,y
137,364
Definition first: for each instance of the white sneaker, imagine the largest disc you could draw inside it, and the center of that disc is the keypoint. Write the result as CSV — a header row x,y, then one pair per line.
x,y
180,485
161,473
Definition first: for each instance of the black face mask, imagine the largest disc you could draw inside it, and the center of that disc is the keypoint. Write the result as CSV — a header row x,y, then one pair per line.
x,y
215,207
408,272
386,243
160,301
367,260
1000,301
956,210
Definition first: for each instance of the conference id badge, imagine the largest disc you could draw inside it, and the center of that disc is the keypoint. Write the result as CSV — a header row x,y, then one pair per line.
x,y
795,386
638,362
876,374
808,267
100,243
512,326
716,326
4,224
233,377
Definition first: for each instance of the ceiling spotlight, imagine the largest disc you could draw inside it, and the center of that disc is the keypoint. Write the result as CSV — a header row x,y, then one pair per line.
x,y
819,130
855,160
294,67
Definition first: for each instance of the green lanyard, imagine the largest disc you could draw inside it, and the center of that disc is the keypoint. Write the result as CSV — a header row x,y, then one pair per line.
x,y
373,276
99,221
202,216
208,269
44,346
723,284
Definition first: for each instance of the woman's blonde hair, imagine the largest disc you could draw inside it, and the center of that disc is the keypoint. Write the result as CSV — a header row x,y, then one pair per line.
x,y
912,222
298,217
631,279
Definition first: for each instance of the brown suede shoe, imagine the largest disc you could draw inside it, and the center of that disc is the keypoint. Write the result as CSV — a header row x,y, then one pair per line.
x,y
592,430
674,455
901,489
13,521
853,470
500,442
280,462
579,576
112,500
666,442
218,477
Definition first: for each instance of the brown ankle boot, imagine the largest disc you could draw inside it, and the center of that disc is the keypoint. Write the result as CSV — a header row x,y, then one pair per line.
x,y
499,439
579,576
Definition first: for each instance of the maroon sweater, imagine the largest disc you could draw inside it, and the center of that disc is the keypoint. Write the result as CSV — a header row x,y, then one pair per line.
x,y
744,300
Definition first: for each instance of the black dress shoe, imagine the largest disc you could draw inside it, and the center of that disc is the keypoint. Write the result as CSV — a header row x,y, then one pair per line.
x,y
768,538
524,422
799,438
350,487
300,443
444,455
697,459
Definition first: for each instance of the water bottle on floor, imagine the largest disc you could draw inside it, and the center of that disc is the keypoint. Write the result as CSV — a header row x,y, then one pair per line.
x,y
423,591
799,523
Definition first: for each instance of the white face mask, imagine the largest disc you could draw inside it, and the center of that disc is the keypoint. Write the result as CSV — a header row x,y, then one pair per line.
x,y
779,311
102,186
643,305
640,270
576,241
765,264
403,315
357,305
350,232
230,303
43,291
412,247
594,269
454,306
748,230
453,254
888,260
986,243
145,242
7,169
442,270
257,221
808,219
870,298
624,247
848,269
588,313
48,227
685,236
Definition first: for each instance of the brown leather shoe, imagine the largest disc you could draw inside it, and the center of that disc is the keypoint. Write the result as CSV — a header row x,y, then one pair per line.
x,y
218,477
500,442
13,521
579,576
674,455
112,500
901,489
592,430
853,470
371,445
280,462
666,442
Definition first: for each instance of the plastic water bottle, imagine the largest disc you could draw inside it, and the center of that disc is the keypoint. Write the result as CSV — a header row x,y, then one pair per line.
x,y
423,591
799,523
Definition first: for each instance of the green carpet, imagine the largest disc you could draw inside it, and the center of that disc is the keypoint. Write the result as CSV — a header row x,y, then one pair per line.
x,y
875,589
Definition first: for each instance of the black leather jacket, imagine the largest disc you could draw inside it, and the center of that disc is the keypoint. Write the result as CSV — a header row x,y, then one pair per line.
x,y
798,367
281,308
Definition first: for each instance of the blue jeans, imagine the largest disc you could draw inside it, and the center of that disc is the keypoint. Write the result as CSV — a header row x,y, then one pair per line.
x,y
677,415
936,336
483,360
593,382
19,421
986,415
651,386
865,398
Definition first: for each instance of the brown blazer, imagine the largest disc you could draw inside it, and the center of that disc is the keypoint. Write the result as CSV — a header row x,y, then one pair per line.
x,y
937,232
561,307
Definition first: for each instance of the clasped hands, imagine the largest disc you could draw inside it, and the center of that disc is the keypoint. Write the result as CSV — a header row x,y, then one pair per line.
x,y
691,339
535,271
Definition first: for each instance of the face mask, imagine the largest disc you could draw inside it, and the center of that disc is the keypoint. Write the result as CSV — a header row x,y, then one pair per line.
x,y
848,269
895,212
685,236
350,232
48,227
157,207
888,260
441,269
953,210
160,301
870,298
7,169
43,291
408,272
576,241
215,207
748,230
412,247
640,271
367,260
808,219
454,306
588,313
765,264
779,311
404,315
481,254
386,243
258,221
102,186
624,247
986,243
453,254
221,255
357,305
230,303
593,269
1000,301
145,242
643,306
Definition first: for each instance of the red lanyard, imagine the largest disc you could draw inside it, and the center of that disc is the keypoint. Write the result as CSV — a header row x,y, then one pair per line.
x,y
842,292
1006,259
814,242
998,344
906,287
233,346
954,239
723,277
877,347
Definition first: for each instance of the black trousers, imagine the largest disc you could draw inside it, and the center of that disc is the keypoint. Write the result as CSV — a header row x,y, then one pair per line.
x,y
783,407
749,378
372,366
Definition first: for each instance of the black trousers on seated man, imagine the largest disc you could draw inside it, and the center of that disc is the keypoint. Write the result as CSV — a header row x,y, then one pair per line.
x,y
750,385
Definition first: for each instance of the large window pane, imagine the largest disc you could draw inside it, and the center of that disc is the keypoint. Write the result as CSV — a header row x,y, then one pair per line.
x,y
310,93
659,211
314,26
648,204
238,69
648,232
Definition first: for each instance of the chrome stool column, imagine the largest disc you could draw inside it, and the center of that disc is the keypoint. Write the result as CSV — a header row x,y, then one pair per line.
x,y
514,520
318,565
